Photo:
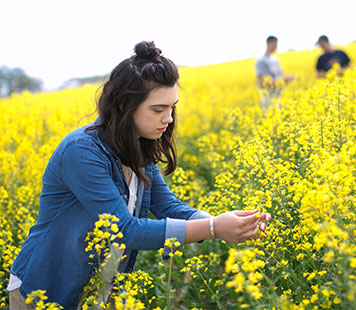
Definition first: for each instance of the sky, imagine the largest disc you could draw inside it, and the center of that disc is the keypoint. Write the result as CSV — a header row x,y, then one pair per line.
x,y
56,40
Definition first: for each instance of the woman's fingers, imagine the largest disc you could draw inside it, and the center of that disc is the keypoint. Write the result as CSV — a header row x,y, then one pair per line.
x,y
249,235
249,220
263,216
253,225
266,217
262,227
244,213
253,221
239,226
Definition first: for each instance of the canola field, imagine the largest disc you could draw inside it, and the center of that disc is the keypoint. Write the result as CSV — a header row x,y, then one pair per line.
x,y
296,160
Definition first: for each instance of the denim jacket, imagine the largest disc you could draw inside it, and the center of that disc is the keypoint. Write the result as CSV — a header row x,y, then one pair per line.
x,y
83,179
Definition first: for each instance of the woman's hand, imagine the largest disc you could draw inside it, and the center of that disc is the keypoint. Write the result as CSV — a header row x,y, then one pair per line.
x,y
239,226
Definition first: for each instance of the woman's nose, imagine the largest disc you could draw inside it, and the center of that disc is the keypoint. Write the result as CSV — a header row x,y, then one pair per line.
x,y
168,118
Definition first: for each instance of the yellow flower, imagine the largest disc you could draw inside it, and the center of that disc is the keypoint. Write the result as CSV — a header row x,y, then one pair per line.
x,y
29,299
326,293
336,301
353,262
314,298
114,228
122,246
305,302
284,262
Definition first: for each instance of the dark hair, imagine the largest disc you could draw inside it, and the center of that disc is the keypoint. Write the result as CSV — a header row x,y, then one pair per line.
x,y
272,38
323,38
128,86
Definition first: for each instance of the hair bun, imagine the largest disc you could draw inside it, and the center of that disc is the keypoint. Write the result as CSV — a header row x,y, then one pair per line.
x,y
147,50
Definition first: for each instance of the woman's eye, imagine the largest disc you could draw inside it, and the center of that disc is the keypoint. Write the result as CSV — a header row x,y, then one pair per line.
x,y
158,111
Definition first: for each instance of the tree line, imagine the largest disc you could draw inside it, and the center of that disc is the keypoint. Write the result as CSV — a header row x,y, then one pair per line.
x,y
15,80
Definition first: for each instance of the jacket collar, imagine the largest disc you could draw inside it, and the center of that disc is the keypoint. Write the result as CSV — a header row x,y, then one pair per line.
x,y
104,144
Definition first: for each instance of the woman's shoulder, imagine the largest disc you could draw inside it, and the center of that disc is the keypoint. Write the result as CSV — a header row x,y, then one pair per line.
x,y
81,140
79,136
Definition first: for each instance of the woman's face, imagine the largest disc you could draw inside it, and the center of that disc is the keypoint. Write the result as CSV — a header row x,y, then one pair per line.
x,y
153,116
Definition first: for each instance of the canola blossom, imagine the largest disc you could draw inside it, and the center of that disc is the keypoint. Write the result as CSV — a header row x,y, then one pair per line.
x,y
296,160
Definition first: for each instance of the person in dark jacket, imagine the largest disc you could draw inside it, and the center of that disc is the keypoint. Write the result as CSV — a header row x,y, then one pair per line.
x,y
329,57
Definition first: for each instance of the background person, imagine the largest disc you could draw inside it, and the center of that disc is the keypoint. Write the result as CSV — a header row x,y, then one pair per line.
x,y
269,71
329,57
110,167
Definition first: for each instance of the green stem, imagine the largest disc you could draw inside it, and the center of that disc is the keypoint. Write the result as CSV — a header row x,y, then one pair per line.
x,y
101,280
215,297
277,191
168,292
113,258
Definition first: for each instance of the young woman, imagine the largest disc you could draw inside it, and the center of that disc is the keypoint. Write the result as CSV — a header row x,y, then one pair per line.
x,y
110,167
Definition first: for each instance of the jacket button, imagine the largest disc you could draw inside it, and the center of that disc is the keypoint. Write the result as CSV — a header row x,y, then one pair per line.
x,y
125,196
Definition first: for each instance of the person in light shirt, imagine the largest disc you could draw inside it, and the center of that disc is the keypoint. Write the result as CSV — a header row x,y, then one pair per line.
x,y
269,72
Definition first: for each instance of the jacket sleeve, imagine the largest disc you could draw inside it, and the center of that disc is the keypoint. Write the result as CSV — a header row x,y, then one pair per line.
x,y
176,228
85,170
164,203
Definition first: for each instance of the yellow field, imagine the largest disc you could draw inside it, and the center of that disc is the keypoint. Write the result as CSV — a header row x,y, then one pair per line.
x,y
295,161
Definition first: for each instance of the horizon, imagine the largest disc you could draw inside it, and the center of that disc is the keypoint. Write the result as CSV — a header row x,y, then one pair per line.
x,y
73,79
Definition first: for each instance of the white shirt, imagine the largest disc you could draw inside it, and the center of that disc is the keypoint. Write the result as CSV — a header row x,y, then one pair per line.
x,y
269,65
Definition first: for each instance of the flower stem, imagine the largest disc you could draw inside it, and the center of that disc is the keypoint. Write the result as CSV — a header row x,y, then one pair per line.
x,y
215,297
168,292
